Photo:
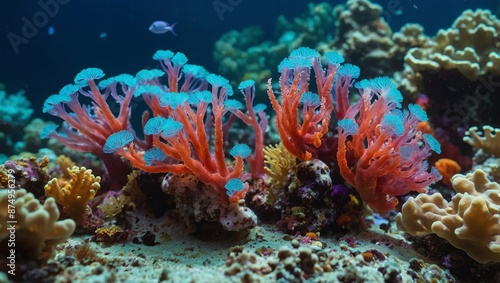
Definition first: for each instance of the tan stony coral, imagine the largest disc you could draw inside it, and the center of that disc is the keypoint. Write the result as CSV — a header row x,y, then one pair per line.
x,y
470,221
470,46
74,193
37,229
489,142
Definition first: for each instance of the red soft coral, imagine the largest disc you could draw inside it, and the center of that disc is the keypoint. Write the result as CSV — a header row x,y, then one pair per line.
x,y
381,152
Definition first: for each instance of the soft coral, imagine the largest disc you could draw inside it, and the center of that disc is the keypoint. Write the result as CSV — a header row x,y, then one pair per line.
x,y
381,152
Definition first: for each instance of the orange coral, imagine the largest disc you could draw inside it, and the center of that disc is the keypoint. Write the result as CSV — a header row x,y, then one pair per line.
x,y
303,118
425,128
447,168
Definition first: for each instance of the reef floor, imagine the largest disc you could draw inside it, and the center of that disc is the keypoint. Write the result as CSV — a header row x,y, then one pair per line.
x,y
163,251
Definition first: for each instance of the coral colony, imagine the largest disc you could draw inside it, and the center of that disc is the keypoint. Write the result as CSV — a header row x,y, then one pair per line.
x,y
335,156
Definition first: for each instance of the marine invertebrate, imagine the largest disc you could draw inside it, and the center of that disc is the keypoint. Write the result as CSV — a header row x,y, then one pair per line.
x,y
457,69
489,142
381,152
186,133
64,164
303,117
37,229
113,205
470,46
447,168
75,193
470,221
174,139
280,163
259,125
87,127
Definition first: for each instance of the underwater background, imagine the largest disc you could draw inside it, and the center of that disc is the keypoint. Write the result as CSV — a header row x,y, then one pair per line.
x,y
280,141
76,42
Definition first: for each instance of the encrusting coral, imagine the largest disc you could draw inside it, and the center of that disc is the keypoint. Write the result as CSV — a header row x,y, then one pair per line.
x,y
74,194
470,221
489,142
37,229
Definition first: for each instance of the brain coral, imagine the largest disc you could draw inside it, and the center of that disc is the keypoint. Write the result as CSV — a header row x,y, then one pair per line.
x,y
471,221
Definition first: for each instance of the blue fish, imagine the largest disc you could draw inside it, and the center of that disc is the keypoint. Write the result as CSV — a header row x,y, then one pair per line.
x,y
160,27
103,36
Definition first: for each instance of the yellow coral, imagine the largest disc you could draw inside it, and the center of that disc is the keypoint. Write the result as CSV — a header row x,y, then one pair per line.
x,y
75,193
65,163
4,177
280,163
471,221
489,142
109,233
113,205
132,189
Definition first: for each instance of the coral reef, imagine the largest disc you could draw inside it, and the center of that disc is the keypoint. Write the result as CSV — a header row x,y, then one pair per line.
x,y
15,110
197,202
313,263
29,174
471,221
303,117
15,113
191,179
470,46
355,29
458,69
364,38
31,141
312,203
489,165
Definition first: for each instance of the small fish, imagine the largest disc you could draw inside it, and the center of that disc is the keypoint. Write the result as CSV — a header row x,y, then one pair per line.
x,y
160,27
51,30
103,36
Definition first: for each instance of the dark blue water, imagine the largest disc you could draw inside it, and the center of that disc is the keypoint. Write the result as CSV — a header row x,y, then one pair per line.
x,y
45,63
